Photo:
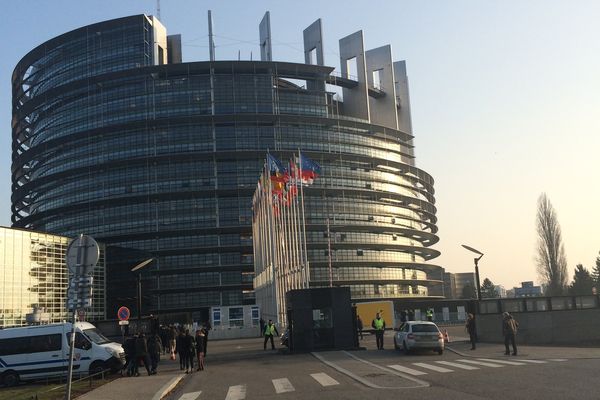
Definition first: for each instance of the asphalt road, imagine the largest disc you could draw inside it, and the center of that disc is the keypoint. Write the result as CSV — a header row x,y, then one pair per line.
x,y
241,372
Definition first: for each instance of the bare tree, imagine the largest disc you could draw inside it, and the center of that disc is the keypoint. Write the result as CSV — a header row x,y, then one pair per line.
x,y
551,259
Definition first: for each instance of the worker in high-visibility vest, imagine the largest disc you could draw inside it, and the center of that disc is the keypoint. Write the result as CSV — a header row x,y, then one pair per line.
x,y
379,325
429,314
270,329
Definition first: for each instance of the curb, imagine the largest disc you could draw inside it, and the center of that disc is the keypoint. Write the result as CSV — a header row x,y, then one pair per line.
x,y
168,387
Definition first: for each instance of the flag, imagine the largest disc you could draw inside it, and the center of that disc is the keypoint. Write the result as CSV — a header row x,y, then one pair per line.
x,y
277,171
310,170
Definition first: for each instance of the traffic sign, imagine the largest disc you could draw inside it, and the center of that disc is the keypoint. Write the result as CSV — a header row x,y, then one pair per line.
x,y
82,255
123,313
123,323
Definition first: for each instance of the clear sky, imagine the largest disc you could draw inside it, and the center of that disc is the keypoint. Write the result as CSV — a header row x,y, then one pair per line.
x,y
505,99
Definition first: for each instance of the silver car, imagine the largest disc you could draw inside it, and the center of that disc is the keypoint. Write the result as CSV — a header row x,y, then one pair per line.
x,y
419,335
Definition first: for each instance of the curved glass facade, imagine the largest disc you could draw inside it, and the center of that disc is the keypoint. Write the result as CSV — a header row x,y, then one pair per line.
x,y
165,158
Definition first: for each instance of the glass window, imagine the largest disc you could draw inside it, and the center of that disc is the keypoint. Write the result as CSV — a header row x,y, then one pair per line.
x,y
424,328
322,318
255,310
236,316
216,316
586,301
80,341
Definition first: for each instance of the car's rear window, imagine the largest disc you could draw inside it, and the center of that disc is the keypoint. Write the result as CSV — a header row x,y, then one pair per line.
x,y
424,328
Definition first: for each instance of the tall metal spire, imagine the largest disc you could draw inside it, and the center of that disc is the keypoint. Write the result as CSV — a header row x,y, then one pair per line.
x,y
158,9
211,42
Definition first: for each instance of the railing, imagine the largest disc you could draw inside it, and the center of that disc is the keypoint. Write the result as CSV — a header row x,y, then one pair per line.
x,y
58,391
538,304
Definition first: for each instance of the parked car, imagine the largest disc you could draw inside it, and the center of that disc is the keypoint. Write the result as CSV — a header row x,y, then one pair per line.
x,y
414,335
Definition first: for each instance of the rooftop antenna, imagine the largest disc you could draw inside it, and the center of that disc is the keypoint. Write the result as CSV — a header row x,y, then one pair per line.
x,y
158,9
211,43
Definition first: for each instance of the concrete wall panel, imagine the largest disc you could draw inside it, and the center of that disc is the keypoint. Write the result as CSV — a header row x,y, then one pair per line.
x,y
356,100
383,109
313,39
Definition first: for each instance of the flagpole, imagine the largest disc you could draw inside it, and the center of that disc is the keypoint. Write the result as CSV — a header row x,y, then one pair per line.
x,y
306,264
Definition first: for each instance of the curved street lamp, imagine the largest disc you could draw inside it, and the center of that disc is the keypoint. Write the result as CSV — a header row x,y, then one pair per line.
x,y
476,260
139,285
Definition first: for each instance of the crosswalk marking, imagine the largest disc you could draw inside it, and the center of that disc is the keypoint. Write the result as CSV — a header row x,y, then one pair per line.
x,y
501,361
556,359
282,385
485,364
534,361
409,371
190,396
433,367
237,392
457,365
324,379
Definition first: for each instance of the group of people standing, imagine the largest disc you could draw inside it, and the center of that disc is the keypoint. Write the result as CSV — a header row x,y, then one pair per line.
x,y
141,350
509,332
146,351
190,348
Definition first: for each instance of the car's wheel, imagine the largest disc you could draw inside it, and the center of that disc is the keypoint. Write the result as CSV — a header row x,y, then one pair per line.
x,y
440,351
95,368
10,378
405,348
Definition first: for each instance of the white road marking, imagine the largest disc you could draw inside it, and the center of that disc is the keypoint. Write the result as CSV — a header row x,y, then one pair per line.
x,y
324,379
501,361
485,364
237,392
433,367
406,370
555,359
457,365
190,396
534,361
282,385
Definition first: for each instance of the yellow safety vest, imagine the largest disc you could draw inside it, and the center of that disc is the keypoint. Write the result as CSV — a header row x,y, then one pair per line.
x,y
269,330
378,323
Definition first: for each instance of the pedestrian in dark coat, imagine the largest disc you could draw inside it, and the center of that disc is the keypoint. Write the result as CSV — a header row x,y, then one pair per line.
x,y
154,350
207,328
130,358
189,351
200,336
179,350
141,353
359,326
509,330
470,328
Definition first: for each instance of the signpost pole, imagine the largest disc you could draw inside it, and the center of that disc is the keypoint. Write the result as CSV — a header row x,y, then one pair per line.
x,y
71,353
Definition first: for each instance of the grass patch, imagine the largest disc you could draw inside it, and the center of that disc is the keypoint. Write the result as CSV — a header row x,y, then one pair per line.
x,y
52,391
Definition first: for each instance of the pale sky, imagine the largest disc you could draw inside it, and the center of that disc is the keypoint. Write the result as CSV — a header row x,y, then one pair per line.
x,y
505,99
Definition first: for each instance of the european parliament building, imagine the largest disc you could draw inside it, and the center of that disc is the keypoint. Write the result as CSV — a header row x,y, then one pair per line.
x,y
115,137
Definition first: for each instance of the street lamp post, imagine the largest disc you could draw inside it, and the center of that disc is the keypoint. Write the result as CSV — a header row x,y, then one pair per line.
x,y
139,285
476,260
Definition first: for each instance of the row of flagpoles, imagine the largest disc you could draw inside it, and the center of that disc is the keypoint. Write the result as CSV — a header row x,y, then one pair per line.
x,y
279,232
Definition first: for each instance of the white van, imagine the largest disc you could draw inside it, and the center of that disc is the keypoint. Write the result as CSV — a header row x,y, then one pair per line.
x,y
41,351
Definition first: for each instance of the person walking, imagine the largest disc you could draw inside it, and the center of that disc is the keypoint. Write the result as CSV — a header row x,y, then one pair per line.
x,y
379,325
509,330
141,353
270,329
200,349
359,326
470,328
130,359
207,328
172,339
189,351
154,350
179,349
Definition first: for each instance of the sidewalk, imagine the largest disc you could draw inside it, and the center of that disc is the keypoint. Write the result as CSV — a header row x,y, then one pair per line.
x,y
157,386
496,350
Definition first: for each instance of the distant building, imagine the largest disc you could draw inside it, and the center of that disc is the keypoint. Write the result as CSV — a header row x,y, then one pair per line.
x,y
500,290
454,284
527,289
33,275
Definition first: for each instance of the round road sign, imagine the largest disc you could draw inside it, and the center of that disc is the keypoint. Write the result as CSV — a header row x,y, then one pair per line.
x,y
123,314
82,255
